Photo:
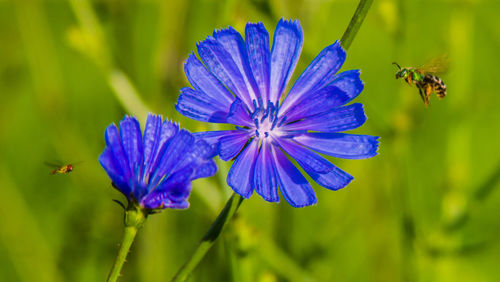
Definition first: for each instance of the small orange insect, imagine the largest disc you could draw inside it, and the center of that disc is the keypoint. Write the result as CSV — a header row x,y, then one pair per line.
x,y
61,169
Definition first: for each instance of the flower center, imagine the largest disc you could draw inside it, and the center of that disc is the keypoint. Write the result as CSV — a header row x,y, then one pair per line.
x,y
265,119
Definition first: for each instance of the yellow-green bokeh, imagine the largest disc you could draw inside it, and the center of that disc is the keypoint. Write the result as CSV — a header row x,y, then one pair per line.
x,y
425,209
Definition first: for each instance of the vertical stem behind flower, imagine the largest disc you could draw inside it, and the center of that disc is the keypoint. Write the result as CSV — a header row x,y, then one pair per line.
x,y
208,240
355,24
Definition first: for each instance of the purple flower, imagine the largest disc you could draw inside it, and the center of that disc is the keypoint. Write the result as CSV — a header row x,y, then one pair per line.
x,y
155,171
242,81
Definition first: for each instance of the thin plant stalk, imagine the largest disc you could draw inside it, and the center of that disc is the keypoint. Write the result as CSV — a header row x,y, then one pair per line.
x,y
208,240
356,21
134,219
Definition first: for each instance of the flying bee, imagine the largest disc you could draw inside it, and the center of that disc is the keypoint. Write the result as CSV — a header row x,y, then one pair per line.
x,y
425,79
61,169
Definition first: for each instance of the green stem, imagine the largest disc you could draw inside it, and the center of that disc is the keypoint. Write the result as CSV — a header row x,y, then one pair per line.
x,y
128,238
134,219
208,240
355,24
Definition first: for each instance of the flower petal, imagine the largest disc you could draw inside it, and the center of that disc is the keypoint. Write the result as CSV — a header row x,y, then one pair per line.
x,y
199,106
174,153
173,190
257,42
152,131
206,151
308,159
212,137
335,179
317,75
196,156
222,65
238,114
114,143
340,119
350,83
294,187
205,169
180,176
285,53
130,133
264,175
240,176
204,81
235,46
231,144
321,101
109,163
319,169
160,200
340,145
167,132
172,195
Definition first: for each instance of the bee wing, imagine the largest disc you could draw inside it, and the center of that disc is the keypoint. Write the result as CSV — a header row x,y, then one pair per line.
x,y
436,65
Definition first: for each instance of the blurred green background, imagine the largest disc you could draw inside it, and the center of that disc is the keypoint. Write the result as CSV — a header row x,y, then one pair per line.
x,y
425,209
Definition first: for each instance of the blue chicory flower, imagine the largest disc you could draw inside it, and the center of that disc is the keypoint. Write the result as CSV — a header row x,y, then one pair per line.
x,y
241,82
155,171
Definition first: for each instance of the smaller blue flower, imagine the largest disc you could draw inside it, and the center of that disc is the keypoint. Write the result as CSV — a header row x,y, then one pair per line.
x,y
155,171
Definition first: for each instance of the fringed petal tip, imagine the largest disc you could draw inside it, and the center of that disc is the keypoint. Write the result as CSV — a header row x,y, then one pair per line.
x,y
376,145
206,44
350,83
337,48
191,60
338,44
209,39
334,180
225,31
292,24
256,25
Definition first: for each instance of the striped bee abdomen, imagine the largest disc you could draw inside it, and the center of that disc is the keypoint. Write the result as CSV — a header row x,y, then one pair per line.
x,y
436,84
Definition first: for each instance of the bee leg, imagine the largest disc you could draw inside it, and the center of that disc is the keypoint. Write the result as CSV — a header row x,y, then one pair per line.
x,y
428,91
421,93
